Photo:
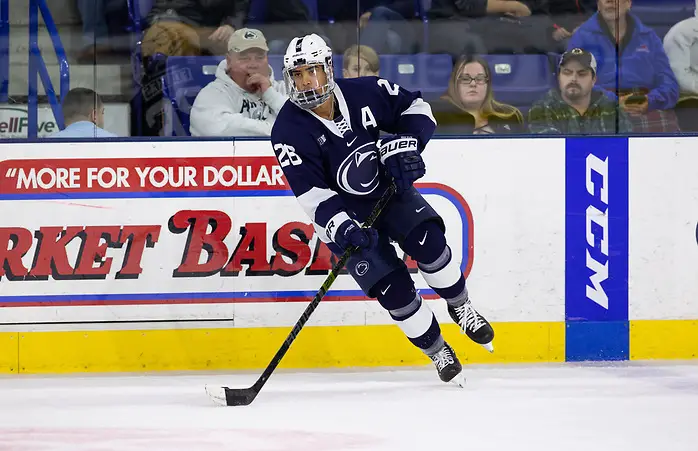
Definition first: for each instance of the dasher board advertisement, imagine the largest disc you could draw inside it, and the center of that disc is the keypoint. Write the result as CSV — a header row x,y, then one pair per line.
x,y
170,231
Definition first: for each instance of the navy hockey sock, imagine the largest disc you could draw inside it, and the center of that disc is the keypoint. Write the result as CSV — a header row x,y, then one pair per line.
x,y
397,295
427,245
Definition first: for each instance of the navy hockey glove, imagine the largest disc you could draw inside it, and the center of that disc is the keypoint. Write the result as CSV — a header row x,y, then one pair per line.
x,y
350,234
400,156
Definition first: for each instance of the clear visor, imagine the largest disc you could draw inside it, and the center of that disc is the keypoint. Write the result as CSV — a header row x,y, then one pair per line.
x,y
309,86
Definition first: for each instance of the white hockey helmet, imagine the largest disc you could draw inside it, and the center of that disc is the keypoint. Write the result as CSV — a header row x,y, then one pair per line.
x,y
310,50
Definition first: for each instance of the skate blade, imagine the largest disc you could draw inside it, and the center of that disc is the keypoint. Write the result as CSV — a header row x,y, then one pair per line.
x,y
458,380
489,347
217,395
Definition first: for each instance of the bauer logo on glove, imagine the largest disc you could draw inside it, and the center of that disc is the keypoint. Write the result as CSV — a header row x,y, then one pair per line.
x,y
390,146
401,158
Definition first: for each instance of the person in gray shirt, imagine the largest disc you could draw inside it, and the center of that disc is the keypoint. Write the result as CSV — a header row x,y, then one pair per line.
x,y
83,114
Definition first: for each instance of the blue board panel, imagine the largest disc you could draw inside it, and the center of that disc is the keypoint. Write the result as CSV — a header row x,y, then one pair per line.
x,y
596,247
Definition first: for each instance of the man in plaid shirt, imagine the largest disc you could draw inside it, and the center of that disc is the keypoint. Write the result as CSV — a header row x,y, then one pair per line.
x,y
575,107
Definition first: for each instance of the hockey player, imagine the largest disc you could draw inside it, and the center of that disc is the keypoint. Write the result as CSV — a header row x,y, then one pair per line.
x,y
326,141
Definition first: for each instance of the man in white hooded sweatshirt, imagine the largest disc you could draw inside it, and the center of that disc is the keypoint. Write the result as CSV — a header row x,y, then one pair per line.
x,y
244,99
681,46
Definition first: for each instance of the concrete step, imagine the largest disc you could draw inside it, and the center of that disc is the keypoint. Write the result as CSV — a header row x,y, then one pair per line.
x,y
63,12
71,39
107,80
111,77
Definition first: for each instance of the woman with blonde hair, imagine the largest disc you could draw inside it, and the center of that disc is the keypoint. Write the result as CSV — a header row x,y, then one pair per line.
x,y
469,106
360,61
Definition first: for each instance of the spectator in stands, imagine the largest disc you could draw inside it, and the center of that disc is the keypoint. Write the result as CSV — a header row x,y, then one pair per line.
x,y
244,99
383,25
191,27
575,107
281,21
181,28
360,61
83,115
95,39
645,85
566,16
469,107
460,27
681,47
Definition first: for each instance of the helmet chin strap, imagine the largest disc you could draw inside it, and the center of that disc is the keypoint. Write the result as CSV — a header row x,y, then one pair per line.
x,y
331,99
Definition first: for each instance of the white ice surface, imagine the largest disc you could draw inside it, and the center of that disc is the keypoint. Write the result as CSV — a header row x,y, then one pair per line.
x,y
633,407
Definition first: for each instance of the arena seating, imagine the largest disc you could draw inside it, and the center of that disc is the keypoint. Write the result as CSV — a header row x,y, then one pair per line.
x,y
520,80
661,15
184,77
257,10
516,79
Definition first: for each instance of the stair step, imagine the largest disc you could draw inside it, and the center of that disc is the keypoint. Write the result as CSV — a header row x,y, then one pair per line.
x,y
71,40
107,80
109,77
63,12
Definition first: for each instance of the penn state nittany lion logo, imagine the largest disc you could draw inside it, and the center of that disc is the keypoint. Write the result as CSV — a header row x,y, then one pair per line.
x,y
358,173
250,35
362,267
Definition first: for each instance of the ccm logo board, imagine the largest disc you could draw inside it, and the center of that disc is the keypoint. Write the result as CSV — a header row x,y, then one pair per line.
x,y
596,272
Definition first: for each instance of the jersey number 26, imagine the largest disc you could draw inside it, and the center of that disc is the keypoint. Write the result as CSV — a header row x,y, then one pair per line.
x,y
287,155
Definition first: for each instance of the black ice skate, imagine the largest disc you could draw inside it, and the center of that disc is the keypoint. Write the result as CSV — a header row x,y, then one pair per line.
x,y
448,366
473,324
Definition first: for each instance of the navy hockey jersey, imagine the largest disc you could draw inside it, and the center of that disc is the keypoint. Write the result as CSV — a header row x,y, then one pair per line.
x,y
333,166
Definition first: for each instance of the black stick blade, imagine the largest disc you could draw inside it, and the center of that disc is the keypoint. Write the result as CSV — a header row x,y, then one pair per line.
x,y
225,396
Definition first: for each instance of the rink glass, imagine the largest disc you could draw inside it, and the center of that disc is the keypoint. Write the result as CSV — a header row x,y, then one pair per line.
x,y
103,45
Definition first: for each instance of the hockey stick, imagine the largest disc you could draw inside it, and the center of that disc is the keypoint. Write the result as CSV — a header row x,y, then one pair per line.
x,y
244,396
